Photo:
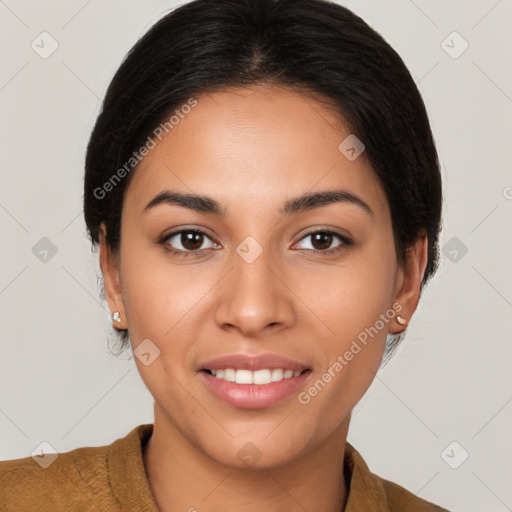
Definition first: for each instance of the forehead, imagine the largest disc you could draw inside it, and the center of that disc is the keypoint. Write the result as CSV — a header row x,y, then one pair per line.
x,y
259,143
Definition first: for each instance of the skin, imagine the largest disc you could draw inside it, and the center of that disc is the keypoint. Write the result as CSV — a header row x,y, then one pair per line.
x,y
252,149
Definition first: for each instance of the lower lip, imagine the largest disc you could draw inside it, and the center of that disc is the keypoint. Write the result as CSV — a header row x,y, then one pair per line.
x,y
254,396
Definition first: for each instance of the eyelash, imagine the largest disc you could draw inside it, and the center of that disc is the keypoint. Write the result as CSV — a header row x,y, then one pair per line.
x,y
178,252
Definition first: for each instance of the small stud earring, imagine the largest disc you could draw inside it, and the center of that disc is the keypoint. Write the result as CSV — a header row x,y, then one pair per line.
x,y
400,320
116,317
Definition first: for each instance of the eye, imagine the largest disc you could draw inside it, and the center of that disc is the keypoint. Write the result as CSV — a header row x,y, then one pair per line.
x,y
187,241
322,240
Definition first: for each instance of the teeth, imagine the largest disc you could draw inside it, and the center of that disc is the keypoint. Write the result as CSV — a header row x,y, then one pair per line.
x,y
229,375
277,375
265,376
243,377
262,377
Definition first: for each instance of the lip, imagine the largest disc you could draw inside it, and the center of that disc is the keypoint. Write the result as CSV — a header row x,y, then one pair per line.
x,y
253,363
253,396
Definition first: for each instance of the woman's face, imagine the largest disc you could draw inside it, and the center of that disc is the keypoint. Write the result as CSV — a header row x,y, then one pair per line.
x,y
256,281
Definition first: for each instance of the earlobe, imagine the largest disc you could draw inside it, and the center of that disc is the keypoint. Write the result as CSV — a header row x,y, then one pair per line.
x,y
413,271
110,270
401,321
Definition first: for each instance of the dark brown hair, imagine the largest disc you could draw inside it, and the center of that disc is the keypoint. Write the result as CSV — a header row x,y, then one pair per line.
x,y
310,45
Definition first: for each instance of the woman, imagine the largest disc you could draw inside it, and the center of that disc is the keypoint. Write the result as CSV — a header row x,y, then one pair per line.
x,y
264,189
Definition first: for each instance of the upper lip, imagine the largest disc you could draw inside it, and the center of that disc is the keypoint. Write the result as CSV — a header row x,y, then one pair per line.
x,y
253,363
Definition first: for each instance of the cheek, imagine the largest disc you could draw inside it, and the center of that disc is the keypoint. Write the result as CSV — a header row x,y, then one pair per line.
x,y
350,297
169,304
352,301
352,352
157,293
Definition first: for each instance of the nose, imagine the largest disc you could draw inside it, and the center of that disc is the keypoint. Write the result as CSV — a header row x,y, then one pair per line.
x,y
254,298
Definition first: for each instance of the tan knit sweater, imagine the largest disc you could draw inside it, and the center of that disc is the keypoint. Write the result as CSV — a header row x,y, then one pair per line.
x,y
112,478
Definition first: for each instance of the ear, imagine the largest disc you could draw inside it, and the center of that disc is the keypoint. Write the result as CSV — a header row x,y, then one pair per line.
x,y
409,279
110,269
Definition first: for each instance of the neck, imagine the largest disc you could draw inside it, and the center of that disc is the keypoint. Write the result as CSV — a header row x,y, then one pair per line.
x,y
182,477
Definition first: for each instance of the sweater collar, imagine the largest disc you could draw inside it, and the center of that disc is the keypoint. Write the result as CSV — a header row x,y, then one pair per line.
x,y
127,473
132,490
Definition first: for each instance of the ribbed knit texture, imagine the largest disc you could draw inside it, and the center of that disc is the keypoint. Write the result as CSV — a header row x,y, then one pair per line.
x,y
112,478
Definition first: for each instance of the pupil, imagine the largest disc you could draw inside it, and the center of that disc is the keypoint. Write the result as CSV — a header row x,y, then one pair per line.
x,y
191,241
322,237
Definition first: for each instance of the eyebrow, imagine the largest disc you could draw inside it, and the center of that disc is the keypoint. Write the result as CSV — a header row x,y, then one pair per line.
x,y
206,204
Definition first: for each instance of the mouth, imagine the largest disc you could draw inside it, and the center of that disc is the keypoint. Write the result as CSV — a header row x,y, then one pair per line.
x,y
253,382
259,377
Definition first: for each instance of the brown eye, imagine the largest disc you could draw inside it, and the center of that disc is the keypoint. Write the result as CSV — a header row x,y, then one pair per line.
x,y
187,241
322,241
191,240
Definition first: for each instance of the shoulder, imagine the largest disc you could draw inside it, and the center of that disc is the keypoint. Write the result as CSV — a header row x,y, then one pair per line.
x,y
73,480
400,498
369,491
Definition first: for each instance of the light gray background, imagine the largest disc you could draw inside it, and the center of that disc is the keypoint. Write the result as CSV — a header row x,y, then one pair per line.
x,y
451,379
